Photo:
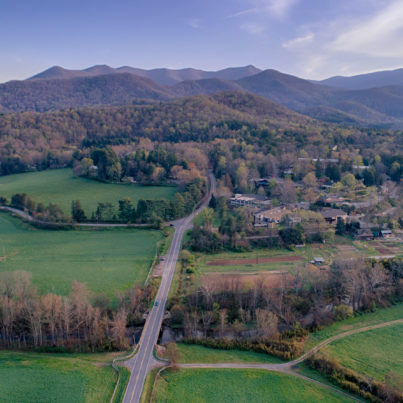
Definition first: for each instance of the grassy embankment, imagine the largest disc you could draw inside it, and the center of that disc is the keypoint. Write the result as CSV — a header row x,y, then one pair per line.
x,y
32,377
60,186
107,260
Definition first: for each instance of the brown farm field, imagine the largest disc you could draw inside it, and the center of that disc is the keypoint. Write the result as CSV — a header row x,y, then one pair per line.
x,y
245,280
257,260
274,266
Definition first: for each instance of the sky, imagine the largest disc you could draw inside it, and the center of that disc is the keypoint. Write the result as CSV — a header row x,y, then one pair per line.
x,y
309,38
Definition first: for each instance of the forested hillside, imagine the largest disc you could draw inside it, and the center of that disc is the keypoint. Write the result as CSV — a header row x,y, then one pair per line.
x,y
112,89
34,141
28,139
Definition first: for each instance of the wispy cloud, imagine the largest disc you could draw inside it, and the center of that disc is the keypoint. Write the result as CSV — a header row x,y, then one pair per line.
x,y
194,23
348,42
378,36
273,8
299,41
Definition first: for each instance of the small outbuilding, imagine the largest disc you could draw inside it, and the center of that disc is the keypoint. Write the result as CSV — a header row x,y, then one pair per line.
x,y
317,260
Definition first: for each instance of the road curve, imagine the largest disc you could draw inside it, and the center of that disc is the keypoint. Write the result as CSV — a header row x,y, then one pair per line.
x,y
142,362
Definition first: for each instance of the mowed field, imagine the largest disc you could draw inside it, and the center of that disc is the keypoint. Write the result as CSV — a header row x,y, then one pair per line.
x,y
34,378
236,385
108,260
60,186
366,319
376,353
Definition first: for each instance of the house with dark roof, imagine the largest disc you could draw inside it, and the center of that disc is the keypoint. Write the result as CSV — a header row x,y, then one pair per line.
x,y
364,234
249,200
331,215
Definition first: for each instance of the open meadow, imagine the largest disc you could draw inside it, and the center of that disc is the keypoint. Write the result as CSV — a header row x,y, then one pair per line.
x,y
108,260
376,353
60,186
236,385
34,377
359,320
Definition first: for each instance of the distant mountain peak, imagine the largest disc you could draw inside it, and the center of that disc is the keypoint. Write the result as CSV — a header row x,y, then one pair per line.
x,y
365,81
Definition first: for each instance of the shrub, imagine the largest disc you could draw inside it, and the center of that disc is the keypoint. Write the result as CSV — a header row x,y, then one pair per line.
x,y
343,311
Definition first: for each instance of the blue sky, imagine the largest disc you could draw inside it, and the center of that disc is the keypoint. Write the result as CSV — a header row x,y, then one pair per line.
x,y
308,38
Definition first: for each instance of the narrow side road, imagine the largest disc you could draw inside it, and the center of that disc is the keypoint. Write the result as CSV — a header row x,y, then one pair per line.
x,y
143,361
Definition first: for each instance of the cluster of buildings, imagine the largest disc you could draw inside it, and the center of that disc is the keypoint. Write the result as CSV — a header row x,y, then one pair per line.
x,y
266,215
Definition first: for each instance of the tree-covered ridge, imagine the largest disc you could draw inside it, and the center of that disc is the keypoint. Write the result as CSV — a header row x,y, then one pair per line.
x,y
30,140
113,89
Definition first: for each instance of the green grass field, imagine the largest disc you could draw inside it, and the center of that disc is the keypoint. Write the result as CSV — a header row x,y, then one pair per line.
x,y
375,353
60,186
366,319
34,378
234,385
200,354
107,260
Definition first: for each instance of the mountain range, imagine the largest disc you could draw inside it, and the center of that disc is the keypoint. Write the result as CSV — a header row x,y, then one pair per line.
x,y
161,76
370,99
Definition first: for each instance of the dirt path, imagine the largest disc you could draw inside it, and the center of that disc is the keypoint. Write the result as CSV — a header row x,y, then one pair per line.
x,y
288,367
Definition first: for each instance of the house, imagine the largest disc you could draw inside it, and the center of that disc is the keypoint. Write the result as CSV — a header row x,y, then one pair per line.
x,y
331,215
93,171
258,182
317,260
292,219
298,206
323,160
387,233
253,201
364,235
269,217
325,183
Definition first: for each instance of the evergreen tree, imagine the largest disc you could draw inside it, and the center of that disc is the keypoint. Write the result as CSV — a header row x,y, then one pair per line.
x,y
77,212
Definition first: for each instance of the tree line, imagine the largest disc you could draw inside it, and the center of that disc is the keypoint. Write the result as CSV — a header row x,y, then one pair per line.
x,y
264,311
77,321
153,212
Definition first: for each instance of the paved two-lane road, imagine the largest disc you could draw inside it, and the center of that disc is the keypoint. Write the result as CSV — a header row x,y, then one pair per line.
x,y
142,362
